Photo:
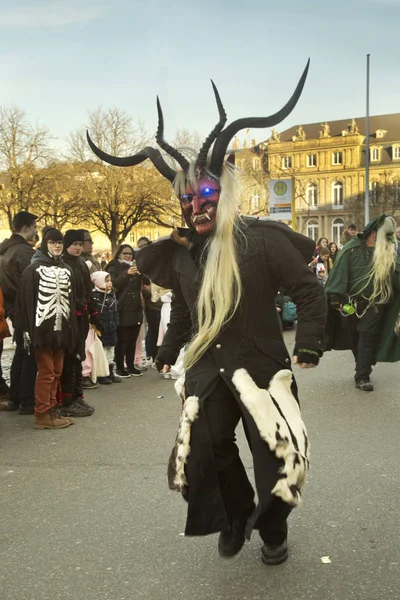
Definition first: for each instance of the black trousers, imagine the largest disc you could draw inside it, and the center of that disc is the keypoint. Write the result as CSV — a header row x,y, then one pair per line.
x,y
223,414
22,374
126,346
71,379
3,384
365,337
153,324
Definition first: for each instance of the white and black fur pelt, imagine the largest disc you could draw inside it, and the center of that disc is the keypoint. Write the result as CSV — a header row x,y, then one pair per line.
x,y
276,414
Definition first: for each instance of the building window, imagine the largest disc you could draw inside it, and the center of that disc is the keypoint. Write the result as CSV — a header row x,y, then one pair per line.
x,y
256,164
255,203
374,192
239,164
286,162
374,154
131,238
311,160
337,158
337,230
313,229
337,194
312,195
396,153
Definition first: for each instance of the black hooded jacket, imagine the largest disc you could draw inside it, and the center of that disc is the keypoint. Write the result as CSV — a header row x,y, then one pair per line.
x,y
45,303
270,255
15,256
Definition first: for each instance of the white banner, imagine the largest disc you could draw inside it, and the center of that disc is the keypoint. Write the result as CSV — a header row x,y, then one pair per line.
x,y
280,199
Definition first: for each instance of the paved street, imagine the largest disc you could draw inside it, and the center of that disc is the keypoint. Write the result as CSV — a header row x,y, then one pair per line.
x,y
86,513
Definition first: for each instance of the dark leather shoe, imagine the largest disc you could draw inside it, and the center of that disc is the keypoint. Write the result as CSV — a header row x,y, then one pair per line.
x,y
274,554
231,540
365,386
9,405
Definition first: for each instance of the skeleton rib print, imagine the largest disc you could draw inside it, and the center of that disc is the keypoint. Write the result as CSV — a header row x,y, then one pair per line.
x,y
53,295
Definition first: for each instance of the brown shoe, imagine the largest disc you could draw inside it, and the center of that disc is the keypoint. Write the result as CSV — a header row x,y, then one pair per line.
x,y
51,420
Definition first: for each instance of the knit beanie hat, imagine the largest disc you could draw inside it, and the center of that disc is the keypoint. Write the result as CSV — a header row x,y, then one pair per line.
x,y
50,234
71,236
99,279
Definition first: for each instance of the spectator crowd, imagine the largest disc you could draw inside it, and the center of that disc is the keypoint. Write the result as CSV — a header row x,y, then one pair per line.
x,y
77,321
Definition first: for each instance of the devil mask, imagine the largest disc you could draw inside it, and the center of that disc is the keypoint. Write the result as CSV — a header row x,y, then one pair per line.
x,y
199,199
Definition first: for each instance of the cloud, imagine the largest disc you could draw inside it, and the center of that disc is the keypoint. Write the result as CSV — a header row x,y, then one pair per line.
x,y
52,14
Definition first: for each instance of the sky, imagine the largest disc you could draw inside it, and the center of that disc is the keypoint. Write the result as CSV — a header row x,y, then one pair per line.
x,y
60,59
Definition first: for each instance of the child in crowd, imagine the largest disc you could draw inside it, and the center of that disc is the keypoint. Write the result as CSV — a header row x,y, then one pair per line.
x,y
324,265
107,306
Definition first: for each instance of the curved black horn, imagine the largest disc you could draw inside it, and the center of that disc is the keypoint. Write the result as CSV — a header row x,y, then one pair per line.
x,y
229,132
202,157
164,145
128,161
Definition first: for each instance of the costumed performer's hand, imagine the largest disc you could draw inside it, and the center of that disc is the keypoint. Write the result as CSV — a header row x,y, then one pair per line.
x,y
304,364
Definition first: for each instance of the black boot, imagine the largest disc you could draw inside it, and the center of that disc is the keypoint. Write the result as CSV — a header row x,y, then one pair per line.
x,y
274,554
114,378
231,540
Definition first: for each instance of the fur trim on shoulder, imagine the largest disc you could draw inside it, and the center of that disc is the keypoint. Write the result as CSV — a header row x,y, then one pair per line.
x,y
276,414
182,241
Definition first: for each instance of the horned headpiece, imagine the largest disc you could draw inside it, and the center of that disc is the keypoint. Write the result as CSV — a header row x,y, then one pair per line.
x,y
219,135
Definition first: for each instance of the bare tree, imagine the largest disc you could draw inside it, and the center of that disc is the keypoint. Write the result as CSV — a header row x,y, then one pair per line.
x,y
24,152
59,202
116,199
187,139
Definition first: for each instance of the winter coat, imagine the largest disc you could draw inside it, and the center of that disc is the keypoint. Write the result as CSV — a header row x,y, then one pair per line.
x,y
45,303
4,330
346,281
249,355
15,256
128,291
106,303
86,310
91,262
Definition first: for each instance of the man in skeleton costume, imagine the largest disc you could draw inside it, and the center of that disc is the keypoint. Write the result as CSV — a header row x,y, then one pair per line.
x,y
225,271
363,290
44,309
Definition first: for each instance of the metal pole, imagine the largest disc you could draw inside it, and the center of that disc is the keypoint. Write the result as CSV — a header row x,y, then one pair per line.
x,y
294,221
367,150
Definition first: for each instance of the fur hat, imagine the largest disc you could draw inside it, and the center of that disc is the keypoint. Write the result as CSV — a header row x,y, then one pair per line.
x,y
73,235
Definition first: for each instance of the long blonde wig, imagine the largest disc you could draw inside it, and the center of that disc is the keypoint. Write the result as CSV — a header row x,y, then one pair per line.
x,y
383,264
221,286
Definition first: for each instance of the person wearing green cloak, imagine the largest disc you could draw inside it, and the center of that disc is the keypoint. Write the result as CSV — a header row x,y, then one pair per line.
x,y
363,291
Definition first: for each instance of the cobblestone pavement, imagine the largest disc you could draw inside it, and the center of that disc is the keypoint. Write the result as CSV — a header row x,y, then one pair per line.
x,y
86,512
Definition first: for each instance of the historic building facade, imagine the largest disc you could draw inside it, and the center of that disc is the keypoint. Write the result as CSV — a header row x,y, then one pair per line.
x,y
327,164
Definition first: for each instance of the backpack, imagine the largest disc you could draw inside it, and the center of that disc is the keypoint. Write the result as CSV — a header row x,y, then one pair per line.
x,y
289,312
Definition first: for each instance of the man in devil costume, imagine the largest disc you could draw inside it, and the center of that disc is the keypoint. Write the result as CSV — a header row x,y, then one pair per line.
x,y
225,272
